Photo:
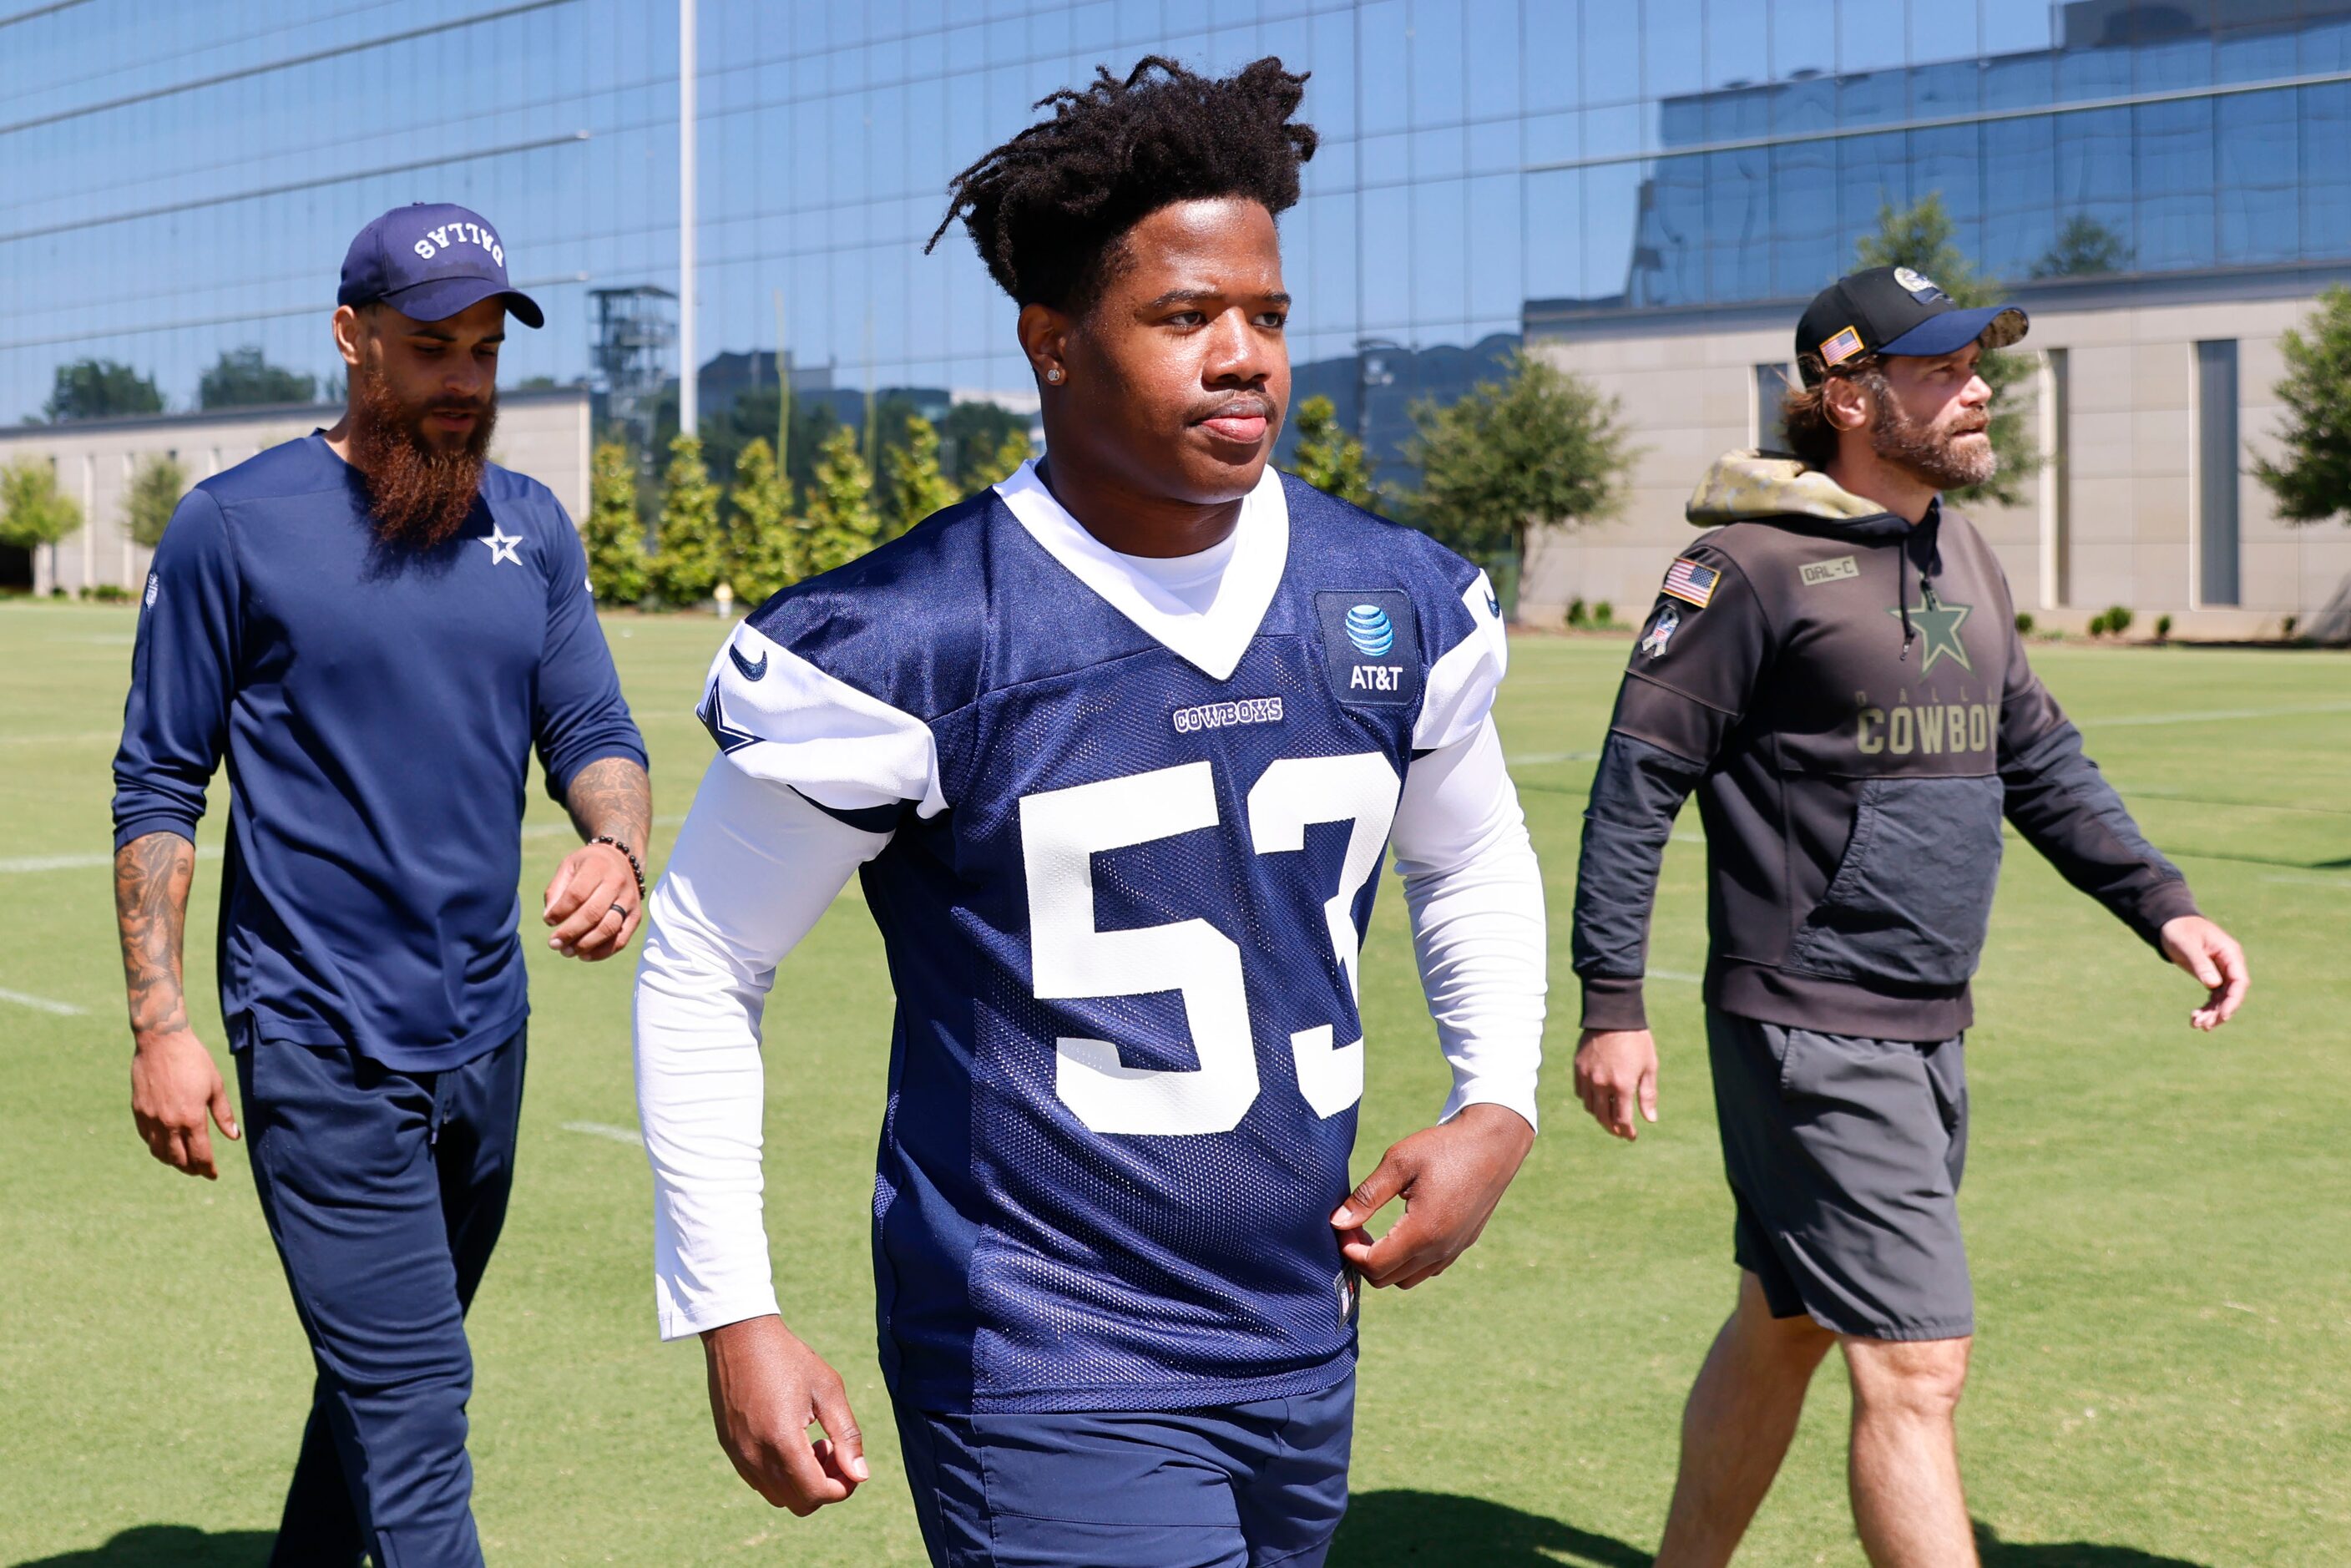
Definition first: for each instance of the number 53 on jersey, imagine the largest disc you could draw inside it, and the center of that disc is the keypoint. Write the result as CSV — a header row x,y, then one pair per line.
x,y
1062,830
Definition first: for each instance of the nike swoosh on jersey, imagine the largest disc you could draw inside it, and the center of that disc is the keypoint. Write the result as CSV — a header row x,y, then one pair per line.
x,y
751,672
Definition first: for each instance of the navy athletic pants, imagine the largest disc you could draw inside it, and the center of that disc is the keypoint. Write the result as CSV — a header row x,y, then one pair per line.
x,y
1234,1485
384,1192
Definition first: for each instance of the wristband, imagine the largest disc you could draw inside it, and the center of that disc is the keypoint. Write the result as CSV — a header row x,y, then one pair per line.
x,y
635,865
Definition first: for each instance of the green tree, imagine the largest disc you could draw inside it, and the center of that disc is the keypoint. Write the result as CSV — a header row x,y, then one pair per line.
x,y
100,388
156,486
1920,239
2083,247
917,489
1326,456
974,436
1538,446
841,524
766,544
2312,478
241,378
689,545
614,535
1012,449
33,510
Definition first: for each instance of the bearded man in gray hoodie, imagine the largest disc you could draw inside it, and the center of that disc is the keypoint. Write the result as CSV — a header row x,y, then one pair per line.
x,y
1835,671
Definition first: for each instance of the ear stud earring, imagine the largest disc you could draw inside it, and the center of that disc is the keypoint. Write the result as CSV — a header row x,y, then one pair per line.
x,y
1054,375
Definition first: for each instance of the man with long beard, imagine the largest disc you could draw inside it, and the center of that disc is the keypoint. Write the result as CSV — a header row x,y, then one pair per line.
x,y
1835,671
376,626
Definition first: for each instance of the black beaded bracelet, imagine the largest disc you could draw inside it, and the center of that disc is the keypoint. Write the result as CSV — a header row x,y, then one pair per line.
x,y
635,864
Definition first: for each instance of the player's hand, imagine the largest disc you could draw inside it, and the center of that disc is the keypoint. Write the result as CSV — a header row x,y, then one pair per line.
x,y
593,904
2213,957
1450,1177
766,1389
174,1087
1616,1070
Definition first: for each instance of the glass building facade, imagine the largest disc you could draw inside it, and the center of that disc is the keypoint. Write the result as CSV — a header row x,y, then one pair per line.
x,y
181,179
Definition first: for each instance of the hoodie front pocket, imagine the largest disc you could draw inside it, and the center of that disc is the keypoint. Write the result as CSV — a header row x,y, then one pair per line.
x,y
1912,896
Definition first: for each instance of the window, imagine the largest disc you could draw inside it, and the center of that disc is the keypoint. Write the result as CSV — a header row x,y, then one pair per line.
x,y
2055,482
2216,472
1764,426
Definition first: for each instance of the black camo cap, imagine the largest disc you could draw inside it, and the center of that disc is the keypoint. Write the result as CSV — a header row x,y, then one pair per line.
x,y
1894,311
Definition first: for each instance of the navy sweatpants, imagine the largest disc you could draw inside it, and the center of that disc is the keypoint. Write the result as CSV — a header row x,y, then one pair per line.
x,y
384,1192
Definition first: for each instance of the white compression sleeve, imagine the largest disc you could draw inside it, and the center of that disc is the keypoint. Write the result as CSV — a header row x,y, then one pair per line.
x,y
1475,898
755,865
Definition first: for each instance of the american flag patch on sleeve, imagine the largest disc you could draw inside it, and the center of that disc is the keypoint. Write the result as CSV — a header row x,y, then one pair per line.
x,y
1691,582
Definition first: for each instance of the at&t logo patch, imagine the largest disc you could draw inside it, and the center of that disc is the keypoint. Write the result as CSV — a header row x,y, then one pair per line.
x,y
1371,630
1371,647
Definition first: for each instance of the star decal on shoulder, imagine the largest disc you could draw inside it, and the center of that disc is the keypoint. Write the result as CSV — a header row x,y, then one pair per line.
x,y
1939,627
713,719
502,543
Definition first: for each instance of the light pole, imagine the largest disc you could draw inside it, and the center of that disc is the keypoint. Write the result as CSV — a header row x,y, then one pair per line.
x,y
1372,371
687,413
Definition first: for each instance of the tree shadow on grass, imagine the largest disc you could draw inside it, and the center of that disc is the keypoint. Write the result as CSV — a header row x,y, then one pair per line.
x,y
168,1546
1999,1553
1429,1529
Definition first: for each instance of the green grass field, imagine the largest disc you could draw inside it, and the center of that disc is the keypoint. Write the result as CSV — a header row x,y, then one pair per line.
x,y
2160,1222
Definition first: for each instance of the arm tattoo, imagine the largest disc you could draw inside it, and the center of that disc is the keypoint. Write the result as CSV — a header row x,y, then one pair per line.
x,y
612,796
151,877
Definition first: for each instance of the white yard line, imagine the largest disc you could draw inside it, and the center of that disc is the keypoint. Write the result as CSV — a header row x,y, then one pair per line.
x,y
42,1005
1687,979
80,862
2208,716
213,852
2339,883
606,1130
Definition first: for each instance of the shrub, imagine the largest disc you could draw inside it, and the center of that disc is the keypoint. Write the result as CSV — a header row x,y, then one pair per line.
x,y
106,593
2291,622
615,534
2162,627
1604,614
2119,619
1577,613
2023,625
156,486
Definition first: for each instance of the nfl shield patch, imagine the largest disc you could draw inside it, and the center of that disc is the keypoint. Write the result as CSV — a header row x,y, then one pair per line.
x,y
1661,630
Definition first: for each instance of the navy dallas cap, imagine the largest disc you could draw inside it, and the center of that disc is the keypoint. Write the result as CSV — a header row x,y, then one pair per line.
x,y
1894,311
429,261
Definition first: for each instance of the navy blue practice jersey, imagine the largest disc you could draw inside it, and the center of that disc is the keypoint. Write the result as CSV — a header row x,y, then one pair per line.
x,y
1134,855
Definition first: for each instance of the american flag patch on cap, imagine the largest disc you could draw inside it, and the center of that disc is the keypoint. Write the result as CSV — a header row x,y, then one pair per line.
x,y
1841,348
1689,581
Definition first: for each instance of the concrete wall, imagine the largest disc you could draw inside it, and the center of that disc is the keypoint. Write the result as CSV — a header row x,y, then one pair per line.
x,y
543,434
2126,498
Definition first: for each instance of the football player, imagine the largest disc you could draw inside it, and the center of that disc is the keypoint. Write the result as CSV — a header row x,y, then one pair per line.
x,y
1117,747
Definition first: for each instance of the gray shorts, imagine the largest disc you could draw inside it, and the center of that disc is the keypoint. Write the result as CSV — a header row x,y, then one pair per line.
x,y
1845,1156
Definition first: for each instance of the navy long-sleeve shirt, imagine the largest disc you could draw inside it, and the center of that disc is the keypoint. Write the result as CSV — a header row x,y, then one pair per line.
x,y
377,708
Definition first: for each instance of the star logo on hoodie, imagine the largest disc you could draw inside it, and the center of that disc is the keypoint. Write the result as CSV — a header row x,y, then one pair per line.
x,y
1937,625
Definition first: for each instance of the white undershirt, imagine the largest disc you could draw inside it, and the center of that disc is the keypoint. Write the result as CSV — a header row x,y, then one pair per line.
x,y
1192,581
757,864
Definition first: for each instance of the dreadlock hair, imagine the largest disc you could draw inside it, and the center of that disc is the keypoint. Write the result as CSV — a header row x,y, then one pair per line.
x,y
1048,209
